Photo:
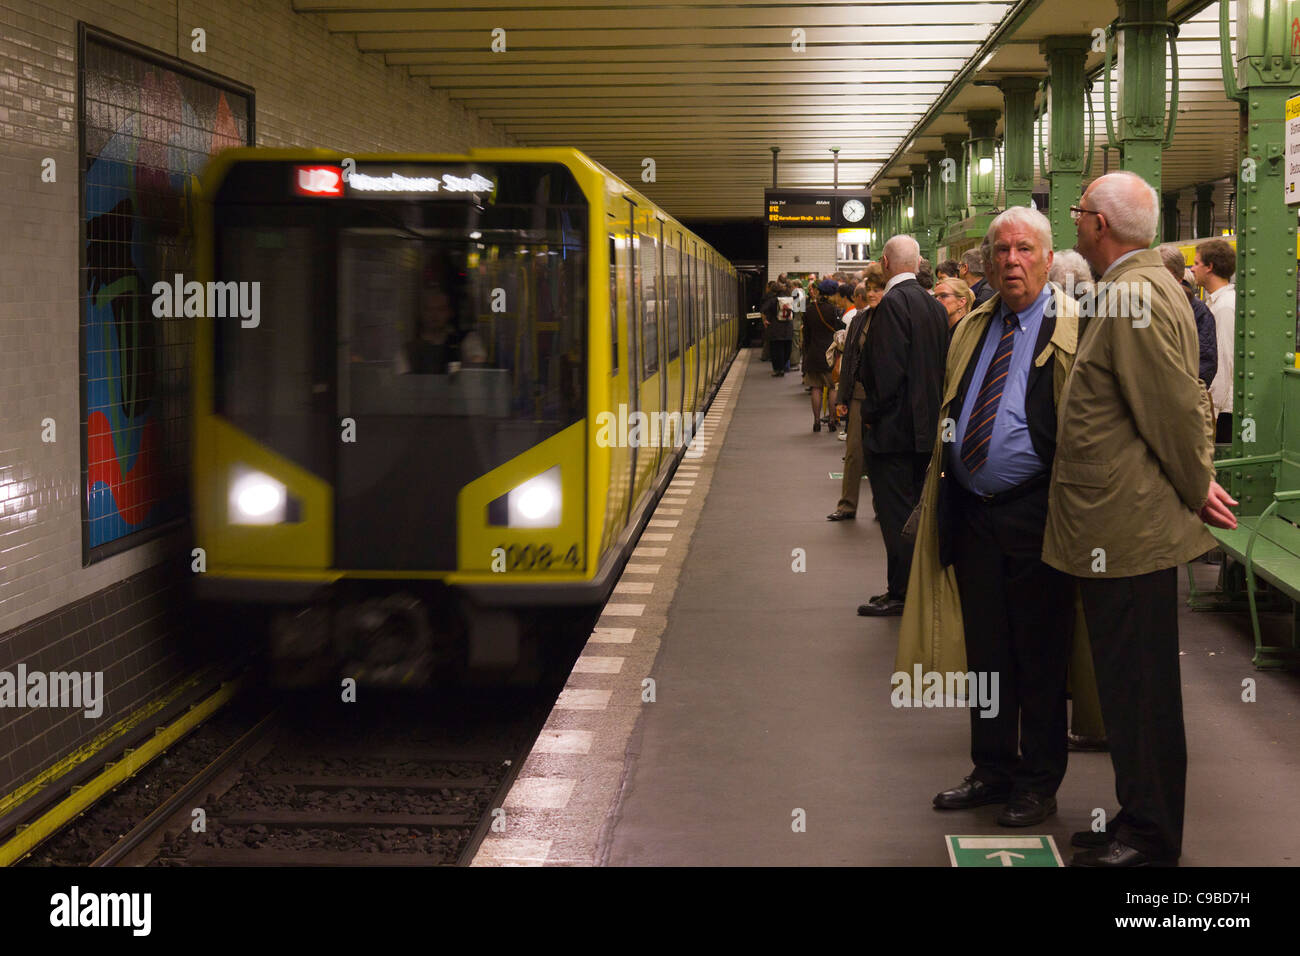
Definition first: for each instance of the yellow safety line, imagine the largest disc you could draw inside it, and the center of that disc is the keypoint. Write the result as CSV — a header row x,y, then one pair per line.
x,y
28,837
99,743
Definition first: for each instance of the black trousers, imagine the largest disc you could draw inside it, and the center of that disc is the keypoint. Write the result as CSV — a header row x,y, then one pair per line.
x,y
779,350
1018,615
896,482
1133,627
1223,429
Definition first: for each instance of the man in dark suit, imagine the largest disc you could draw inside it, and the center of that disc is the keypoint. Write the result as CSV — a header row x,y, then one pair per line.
x,y
972,269
1017,612
901,372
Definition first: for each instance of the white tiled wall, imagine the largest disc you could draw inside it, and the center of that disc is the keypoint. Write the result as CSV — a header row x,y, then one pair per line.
x,y
311,88
800,250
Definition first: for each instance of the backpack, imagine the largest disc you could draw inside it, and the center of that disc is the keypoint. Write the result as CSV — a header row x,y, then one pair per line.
x,y
785,307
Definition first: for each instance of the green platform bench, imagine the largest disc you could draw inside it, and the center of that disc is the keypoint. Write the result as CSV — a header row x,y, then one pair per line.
x,y
1267,546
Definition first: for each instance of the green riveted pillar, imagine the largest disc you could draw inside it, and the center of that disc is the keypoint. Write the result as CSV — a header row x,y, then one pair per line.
x,y
934,200
1066,151
919,225
877,224
1141,34
983,184
1265,380
953,178
1205,211
1018,136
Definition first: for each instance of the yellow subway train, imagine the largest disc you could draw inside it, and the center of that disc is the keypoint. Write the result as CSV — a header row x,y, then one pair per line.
x,y
413,378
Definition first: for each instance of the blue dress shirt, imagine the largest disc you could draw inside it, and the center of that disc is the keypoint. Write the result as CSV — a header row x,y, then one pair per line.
x,y
1011,456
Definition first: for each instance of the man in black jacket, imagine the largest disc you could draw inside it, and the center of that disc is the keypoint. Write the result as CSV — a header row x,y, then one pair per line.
x,y
973,269
1206,331
901,371
848,398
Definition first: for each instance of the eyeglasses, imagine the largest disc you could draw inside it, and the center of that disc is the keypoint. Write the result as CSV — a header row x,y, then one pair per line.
x,y
1078,212
946,295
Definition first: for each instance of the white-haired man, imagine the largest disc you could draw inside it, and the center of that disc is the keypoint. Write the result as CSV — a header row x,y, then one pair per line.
x,y
1132,483
901,372
980,534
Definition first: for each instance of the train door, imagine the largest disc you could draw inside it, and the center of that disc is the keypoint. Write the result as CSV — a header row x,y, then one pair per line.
x,y
622,468
671,425
653,390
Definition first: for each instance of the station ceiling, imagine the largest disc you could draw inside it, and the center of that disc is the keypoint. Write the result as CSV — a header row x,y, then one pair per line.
x,y
705,89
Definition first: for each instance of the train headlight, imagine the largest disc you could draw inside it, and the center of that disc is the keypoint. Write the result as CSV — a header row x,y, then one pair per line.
x,y
534,504
257,498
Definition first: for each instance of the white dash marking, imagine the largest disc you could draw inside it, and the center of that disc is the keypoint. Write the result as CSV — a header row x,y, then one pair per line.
x,y
565,741
540,793
662,523
634,587
597,665
612,635
583,698
647,536
505,851
624,610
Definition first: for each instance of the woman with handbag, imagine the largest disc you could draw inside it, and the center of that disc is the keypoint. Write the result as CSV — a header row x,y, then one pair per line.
x,y
820,324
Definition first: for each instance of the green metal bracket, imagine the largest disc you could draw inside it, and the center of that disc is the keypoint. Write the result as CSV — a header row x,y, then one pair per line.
x,y
1230,87
1171,34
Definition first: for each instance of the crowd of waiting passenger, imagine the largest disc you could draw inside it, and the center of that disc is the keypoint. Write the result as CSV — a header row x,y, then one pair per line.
x,y
1039,465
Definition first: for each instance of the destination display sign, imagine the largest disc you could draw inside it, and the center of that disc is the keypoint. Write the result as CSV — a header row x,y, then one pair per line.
x,y
406,181
817,208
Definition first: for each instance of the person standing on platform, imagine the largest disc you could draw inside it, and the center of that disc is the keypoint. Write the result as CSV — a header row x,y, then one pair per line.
x,y
955,296
978,578
1207,340
800,307
849,395
901,373
972,271
779,331
1213,268
822,321
1132,486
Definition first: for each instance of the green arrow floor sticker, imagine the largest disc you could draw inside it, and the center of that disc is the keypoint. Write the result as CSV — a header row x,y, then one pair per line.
x,y
1003,851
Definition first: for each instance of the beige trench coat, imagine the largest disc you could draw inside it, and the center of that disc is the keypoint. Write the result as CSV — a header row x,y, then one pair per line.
x,y
930,631
1134,435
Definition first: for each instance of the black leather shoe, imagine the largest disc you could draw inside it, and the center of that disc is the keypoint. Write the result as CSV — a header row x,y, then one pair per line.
x,y
874,599
1116,854
817,426
1090,839
1078,742
889,607
841,516
971,793
1027,810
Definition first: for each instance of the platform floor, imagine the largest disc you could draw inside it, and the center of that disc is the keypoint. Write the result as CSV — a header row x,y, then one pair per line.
x,y
772,696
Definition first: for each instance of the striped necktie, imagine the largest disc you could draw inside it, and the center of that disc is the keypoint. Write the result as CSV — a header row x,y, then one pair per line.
x,y
979,429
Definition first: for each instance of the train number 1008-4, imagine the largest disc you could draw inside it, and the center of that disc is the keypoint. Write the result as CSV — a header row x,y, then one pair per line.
x,y
530,557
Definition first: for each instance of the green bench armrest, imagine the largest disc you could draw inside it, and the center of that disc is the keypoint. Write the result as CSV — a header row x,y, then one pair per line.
x,y
1279,496
1249,460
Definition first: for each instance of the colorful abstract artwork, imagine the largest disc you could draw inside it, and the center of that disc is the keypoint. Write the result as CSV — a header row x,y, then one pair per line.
x,y
148,132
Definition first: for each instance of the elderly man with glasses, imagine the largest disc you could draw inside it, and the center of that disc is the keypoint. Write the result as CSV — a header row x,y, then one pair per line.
x,y
1132,484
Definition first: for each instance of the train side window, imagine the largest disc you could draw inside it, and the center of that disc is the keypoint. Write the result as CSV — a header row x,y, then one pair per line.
x,y
613,304
671,278
649,274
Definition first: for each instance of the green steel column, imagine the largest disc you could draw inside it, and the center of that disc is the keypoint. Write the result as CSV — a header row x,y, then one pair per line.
x,y
877,224
1066,149
1142,85
954,182
983,185
1204,211
919,226
1018,136
1265,329
935,198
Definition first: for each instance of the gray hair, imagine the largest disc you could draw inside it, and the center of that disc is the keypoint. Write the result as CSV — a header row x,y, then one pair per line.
x,y
1030,219
974,261
1130,205
1173,260
904,253
1071,272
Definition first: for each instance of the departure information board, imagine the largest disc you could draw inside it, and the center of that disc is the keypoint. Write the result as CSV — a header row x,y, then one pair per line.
x,y
845,209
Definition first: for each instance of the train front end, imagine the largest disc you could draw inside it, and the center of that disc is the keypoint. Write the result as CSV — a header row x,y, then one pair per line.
x,y
390,457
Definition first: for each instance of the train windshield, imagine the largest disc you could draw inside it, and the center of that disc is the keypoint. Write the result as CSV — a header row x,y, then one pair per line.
x,y
467,309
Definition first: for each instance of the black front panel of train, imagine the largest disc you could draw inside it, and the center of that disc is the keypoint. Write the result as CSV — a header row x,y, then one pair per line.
x,y
405,347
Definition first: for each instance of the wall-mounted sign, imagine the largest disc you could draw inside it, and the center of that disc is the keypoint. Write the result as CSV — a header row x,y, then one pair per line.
x,y
817,208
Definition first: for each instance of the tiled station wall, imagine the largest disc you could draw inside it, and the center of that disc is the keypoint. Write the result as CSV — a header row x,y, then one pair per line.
x,y
311,89
800,250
